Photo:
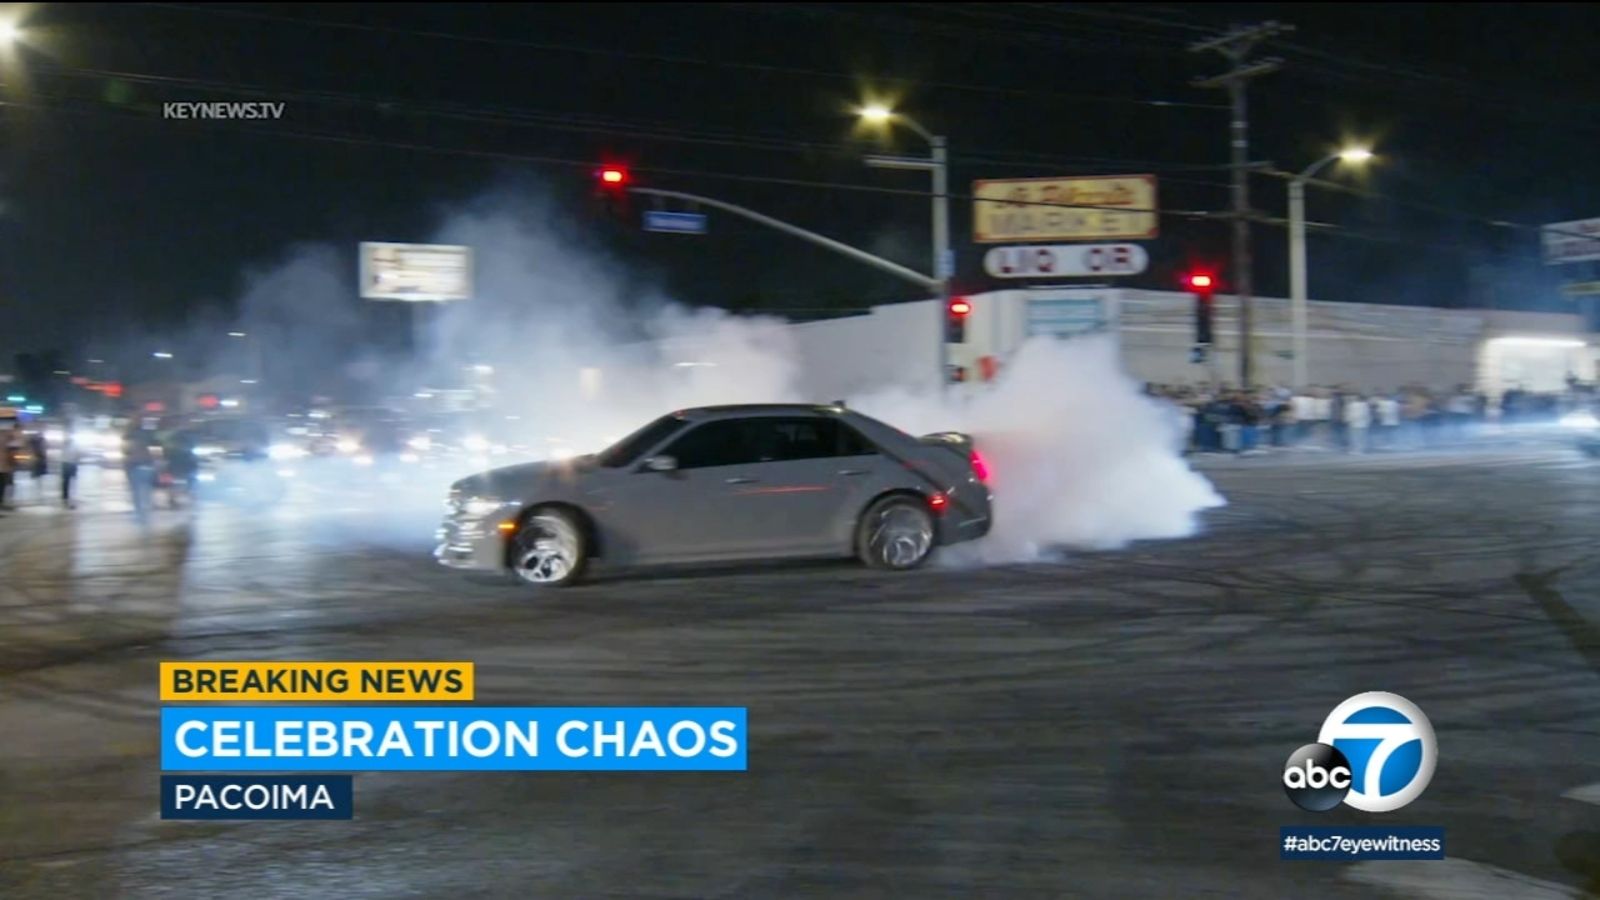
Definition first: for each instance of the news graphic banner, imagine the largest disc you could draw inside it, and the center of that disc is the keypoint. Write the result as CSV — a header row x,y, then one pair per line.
x,y
197,682
196,737
453,739
1350,843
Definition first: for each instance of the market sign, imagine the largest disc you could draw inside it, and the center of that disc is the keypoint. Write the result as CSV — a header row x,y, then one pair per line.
x,y
416,272
1568,242
1023,210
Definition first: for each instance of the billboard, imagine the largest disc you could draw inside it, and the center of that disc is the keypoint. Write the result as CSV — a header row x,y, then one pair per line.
x,y
1567,242
415,272
1100,207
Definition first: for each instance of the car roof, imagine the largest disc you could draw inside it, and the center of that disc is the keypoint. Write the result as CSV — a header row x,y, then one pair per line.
x,y
761,409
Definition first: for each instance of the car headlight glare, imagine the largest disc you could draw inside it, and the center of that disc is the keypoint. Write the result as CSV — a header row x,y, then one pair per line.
x,y
479,506
1581,420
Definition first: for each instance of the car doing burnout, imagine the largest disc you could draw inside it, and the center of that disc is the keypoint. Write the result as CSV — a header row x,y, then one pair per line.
x,y
724,483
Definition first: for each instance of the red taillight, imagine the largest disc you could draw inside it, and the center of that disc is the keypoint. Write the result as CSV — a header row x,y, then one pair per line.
x,y
980,469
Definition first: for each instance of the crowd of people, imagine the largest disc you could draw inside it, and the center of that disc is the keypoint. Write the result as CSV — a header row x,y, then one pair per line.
x,y
151,460
1228,419
27,452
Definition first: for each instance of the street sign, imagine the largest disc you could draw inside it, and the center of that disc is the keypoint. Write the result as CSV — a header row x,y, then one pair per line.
x,y
674,222
1581,289
415,272
1069,260
1569,242
1014,210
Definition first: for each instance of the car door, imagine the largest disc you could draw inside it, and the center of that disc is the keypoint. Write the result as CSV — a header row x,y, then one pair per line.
x,y
676,514
801,494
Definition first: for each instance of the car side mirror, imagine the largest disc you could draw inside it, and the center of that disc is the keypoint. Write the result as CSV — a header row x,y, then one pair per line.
x,y
661,464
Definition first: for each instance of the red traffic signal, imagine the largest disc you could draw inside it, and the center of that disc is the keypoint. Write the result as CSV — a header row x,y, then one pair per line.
x,y
1200,282
956,310
613,176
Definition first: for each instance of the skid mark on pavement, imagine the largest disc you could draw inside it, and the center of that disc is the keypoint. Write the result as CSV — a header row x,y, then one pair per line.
x,y
1456,879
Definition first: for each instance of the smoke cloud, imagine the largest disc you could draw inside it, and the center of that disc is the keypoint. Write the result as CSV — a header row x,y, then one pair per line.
x,y
582,350
1078,456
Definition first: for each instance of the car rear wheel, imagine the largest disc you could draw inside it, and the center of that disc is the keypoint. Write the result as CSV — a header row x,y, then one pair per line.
x,y
548,549
896,532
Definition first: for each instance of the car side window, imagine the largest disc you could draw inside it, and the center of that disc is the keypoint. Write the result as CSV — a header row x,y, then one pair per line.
x,y
851,442
730,442
736,442
816,438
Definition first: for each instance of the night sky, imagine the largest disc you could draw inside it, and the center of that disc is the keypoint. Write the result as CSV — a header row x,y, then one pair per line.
x,y
114,218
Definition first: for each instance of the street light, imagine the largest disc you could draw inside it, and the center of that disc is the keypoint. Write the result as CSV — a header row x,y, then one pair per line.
x,y
10,33
161,354
1297,248
236,334
937,165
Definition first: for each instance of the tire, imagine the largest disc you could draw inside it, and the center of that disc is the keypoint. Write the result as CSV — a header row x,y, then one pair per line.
x,y
897,532
548,550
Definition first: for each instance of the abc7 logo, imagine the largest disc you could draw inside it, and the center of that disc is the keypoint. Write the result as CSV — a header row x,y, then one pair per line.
x,y
1376,753
1316,777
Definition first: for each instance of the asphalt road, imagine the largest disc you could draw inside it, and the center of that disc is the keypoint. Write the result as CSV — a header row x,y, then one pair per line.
x,y
1107,725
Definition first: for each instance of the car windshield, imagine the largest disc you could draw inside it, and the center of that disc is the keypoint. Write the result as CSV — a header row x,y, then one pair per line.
x,y
627,451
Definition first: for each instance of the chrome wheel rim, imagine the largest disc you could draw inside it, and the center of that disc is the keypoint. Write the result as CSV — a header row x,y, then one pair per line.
x,y
547,550
902,536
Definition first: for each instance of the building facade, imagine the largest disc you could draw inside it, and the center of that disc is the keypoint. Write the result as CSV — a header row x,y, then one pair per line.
x,y
1359,345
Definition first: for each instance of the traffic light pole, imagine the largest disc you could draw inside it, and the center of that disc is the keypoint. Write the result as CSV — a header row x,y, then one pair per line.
x,y
941,249
893,268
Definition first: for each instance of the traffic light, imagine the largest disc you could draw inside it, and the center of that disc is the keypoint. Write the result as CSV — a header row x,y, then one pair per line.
x,y
955,320
611,191
1201,284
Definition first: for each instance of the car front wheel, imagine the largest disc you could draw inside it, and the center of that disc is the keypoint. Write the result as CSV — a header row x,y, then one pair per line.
x,y
896,532
548,549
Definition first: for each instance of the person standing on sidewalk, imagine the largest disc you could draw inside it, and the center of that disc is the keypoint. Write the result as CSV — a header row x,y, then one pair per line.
x,y
10,447
1357,418
70,454
39,451
139,464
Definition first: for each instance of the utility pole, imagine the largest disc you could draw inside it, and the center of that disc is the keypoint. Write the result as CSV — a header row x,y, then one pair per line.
x,y
1236,45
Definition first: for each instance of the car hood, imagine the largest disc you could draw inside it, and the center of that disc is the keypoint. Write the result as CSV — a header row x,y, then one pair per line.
x,y
521,479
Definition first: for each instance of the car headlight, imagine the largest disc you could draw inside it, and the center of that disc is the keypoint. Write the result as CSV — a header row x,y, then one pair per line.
x,y
208,450
475,443
285,451
1582,420
421,443
478,507
347,445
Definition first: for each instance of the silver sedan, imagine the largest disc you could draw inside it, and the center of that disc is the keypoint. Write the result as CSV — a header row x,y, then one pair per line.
x,y
724,483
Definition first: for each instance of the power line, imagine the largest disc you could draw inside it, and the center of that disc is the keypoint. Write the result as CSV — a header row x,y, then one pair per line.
x,y
590,164
1079,9
666,58
564,121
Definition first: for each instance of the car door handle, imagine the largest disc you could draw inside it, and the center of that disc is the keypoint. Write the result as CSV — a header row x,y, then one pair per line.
x,y
851,472
738,479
